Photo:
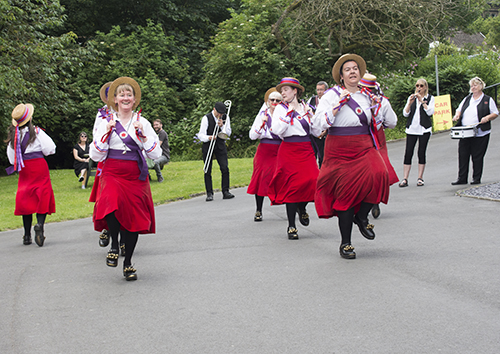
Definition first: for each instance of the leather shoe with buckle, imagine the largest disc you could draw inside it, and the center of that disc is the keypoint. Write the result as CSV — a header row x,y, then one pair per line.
x,y
104,238
258,216
27,240
292,233
39,238
347,251
129,273
227,195
210,197
476,181
365,228
112,258
304,218
458,182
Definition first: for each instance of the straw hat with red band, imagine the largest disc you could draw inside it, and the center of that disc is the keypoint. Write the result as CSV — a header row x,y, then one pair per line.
x,y
118,82
104,92
289,81
368,80
347,57
22,114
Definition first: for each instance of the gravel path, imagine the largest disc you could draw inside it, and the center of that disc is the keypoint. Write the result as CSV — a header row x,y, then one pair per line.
x,y
488,192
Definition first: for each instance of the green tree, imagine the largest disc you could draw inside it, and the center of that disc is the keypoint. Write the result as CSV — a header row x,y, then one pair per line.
x,y
36,67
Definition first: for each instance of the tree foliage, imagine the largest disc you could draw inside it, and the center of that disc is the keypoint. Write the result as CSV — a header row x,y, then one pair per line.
x,y
36,67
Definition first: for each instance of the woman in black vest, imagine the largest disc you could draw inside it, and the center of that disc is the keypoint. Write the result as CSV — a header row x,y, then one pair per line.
x,y
476,108
419,109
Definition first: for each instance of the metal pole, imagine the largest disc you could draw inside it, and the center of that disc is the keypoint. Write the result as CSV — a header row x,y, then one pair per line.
x,y
437,74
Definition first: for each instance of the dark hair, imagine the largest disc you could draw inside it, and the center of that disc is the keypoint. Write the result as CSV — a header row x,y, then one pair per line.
x,y
12,132
158,120
342,67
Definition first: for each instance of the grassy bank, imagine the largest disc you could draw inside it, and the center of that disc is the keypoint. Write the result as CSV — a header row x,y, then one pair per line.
x,y
182,180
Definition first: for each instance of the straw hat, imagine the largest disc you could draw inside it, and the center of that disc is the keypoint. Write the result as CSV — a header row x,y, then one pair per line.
x,y
118,82
22,114
104,92
368,80
289,81
336,68
268,92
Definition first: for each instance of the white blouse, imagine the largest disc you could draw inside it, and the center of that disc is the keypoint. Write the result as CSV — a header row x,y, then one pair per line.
x,y
42,143
99,149
415,128
282,122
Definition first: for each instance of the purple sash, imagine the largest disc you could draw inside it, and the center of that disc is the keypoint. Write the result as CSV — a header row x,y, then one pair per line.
x,y
297,139
268,123
270,141
136,151
363,119
19,151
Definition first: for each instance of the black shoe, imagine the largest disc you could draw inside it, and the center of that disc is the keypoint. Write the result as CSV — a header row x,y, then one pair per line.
x,y
122,249
104,238
292,233
80,179
376,211
112,258
365,228
227,195
304,218
210,197
476,181
258,216
458,182
39,238
27,240
347,251
129,273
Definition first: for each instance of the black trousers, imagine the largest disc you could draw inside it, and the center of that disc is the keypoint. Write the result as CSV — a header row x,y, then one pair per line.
x,y
220,153
411,141
474,148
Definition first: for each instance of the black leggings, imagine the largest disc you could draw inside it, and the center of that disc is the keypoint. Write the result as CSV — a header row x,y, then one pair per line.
x,y
411,141
291,210
259,201
346,217
127,237
28,219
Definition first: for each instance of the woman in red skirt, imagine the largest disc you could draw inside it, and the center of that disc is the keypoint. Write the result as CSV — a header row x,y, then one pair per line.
x,y
125,204
353,176
296,171
264,162
385,119
27,146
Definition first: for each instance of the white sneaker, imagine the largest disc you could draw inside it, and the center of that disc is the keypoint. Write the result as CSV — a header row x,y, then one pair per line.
x,y
83,187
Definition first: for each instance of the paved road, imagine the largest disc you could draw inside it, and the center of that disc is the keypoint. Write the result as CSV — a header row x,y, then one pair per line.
x,y
213,281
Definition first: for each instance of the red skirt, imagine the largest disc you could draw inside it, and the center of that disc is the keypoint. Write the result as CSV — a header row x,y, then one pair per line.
x,y
96,189
122,192
34,189
264,164
294,179
393,177
352,172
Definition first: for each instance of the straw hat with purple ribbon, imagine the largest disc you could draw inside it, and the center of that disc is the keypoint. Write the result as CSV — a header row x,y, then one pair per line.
x,y
22,114
289,81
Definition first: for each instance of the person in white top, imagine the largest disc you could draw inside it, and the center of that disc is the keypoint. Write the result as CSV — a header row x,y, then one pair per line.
x,y
419,110
125,203
353,176
264,162
476,109
296,171
209,122
26,147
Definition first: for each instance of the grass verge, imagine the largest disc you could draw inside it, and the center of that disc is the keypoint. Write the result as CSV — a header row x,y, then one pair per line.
x,y
182,180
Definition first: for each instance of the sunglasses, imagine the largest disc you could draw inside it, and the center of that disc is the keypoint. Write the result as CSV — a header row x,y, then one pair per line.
x,y
83,136
419,85
274,100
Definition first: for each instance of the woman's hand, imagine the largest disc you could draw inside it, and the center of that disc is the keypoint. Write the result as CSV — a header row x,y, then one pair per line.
x,y
484,120
137,125
111,124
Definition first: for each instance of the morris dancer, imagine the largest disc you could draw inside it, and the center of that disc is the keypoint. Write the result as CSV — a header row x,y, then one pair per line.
x,y
26,147
264,162
385,119
125,203
296,168
353,176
